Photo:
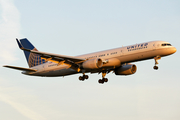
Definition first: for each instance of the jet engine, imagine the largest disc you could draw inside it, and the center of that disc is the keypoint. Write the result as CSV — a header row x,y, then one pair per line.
x,y
128,69
93,63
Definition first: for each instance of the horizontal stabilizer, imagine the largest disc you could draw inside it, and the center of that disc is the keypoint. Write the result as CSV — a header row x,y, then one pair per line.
x,y
20,68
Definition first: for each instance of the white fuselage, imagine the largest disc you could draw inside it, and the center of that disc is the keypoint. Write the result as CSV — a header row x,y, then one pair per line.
x,y
115,57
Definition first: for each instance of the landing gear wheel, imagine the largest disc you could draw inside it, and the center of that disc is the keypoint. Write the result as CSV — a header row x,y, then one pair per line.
x,y
101,81
85,76
155,67
81,78
105,80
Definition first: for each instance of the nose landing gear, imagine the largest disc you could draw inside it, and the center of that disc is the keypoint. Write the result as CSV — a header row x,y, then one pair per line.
x,y
156,62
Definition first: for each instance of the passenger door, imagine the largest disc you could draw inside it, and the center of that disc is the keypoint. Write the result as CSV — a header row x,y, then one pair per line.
x,y
154,46
121,52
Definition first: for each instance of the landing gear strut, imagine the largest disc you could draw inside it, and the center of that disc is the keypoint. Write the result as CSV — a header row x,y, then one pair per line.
x,y
156,62
101,81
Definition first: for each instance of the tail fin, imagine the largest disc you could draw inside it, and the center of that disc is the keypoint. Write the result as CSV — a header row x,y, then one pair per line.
x,y
32,58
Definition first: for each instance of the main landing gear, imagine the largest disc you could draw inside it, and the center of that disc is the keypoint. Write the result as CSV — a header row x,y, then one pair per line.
x,y
82,78
101,81
156,62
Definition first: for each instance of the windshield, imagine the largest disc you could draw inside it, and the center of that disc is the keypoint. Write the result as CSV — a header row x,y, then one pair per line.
x,y
166,44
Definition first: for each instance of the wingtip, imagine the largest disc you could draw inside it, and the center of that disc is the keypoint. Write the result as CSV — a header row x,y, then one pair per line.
x,y
6,66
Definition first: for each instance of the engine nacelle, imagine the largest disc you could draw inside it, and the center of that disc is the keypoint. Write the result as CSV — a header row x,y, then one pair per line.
x,y
93,63
128,69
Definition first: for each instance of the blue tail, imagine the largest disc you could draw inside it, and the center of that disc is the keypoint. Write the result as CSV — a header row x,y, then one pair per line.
x,y
32,58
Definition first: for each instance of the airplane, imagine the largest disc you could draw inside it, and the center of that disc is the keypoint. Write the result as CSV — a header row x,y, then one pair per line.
x,y
116,60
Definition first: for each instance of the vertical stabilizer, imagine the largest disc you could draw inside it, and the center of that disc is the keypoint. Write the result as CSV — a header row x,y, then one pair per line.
x,y
32,58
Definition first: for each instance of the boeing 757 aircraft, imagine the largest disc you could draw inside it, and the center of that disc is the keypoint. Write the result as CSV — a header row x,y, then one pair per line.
x,y
116,60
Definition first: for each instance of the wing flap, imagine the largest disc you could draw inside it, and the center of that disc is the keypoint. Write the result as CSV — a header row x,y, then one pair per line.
x,y
21,68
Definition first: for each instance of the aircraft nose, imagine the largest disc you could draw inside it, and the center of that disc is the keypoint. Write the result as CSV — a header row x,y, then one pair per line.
x,y
174,50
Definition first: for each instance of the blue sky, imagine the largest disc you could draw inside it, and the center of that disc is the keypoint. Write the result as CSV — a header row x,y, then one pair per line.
x,y
79,27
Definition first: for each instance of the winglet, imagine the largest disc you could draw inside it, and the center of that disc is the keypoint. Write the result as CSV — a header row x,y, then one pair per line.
x,y
19,44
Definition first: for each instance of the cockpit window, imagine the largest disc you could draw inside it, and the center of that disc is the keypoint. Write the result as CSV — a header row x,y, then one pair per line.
x,y
166,44
169,45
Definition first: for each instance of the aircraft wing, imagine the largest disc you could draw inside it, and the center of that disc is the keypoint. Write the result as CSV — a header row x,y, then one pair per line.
x,y
51,56
21,68
71,61
57,57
